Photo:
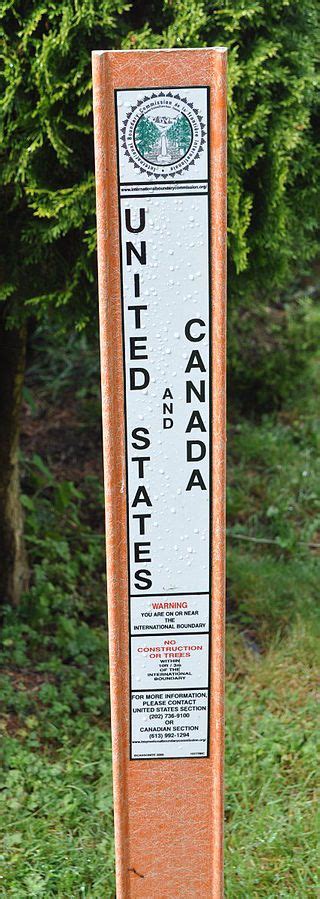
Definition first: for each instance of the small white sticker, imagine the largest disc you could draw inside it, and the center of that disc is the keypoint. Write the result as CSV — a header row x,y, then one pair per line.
x,y
169,724
164,614
169,661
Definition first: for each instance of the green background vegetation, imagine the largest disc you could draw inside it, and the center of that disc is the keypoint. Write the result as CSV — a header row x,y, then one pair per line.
x,y
57,800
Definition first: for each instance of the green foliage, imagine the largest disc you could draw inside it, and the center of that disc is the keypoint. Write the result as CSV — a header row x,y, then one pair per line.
x,y
271,345
180,132
56,798
56,813
271,770
273,504
146,135
47,156
290,496
272,146
62,618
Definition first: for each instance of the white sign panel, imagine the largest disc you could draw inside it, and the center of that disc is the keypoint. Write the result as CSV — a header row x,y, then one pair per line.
x,y
169,661
163,614
164,219
169,723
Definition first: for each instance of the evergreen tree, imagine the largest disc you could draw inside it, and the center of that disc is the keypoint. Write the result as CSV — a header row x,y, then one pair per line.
x,y
180,132
147,135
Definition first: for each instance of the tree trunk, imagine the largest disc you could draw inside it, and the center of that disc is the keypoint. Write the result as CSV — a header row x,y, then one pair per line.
x,y
13,558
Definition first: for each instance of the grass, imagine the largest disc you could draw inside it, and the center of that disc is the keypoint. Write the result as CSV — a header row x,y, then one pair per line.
x,y
272,768
56,813
57,838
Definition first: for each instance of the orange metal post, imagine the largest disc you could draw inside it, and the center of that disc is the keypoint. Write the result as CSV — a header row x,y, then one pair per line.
x,y
160,152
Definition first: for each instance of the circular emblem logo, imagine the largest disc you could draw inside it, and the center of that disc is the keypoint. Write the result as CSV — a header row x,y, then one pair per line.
x,y
163,134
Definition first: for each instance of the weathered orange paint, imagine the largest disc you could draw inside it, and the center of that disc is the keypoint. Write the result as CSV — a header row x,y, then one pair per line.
x,y
168,813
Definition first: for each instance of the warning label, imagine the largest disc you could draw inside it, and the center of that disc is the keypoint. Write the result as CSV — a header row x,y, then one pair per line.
x,y
165,662
162,614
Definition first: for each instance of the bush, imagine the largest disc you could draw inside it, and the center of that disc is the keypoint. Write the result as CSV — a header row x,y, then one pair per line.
x,y
47,172
271,347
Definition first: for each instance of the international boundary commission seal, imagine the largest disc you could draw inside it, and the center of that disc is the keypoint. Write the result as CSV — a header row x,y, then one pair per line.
x,y
163,134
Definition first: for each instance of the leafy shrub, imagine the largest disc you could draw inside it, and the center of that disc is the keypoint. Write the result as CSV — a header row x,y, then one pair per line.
x,y
271,347
58,637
